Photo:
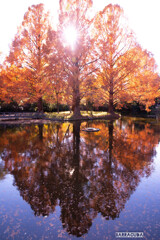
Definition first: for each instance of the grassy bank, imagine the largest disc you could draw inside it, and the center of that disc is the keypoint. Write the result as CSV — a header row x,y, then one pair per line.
x,y
67,115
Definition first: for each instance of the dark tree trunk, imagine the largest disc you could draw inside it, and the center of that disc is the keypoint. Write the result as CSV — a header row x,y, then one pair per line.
x,y
110,127
111,109
40,105
40,132
76,142
76,93
57,103
57,133
76,107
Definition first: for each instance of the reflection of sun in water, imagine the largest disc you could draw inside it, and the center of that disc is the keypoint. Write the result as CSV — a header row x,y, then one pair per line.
x,y
70,36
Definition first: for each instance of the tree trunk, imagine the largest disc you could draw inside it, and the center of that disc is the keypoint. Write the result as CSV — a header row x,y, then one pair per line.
x,y
57,103
76,143
40,132
40,105
76,94
110,128
111,109
76,107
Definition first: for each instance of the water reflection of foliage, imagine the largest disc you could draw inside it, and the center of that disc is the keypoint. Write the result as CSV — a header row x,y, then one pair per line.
x,y
91,173
3,172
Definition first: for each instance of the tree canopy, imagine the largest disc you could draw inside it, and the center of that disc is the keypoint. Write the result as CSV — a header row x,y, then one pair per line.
x,y
95,58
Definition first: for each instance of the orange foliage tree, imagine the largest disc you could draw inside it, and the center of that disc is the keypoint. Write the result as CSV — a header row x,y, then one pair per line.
x,y
56,76
2,88
144,82
77,59
121,59
28,59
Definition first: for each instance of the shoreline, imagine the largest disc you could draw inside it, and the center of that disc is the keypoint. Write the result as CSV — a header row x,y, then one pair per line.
x,y
22,120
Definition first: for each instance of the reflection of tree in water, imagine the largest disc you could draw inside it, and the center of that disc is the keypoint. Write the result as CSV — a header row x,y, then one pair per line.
x,y
128,157
96,172
3,171
113,183
28,158
76,213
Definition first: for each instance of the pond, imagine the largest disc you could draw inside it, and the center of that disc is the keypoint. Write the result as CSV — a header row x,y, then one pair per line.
x,y
59,182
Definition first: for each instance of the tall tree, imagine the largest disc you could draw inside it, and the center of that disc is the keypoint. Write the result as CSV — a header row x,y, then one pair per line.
x,y
119,56
29,52
74,21
144,83
2,89
56,77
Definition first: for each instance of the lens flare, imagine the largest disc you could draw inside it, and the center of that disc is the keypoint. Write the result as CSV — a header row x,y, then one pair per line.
x,y
70,36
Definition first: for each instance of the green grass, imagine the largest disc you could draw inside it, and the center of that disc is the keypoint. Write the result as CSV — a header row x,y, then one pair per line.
x,y
95,114
60,115
67,114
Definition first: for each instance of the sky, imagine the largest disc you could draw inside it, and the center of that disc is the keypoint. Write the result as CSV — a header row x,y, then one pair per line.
x,y
143,17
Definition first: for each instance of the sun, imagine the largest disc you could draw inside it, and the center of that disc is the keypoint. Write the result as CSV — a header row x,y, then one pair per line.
x,y
70,36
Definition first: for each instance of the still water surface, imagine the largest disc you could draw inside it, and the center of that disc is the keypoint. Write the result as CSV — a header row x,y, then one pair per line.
x,y
59,182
